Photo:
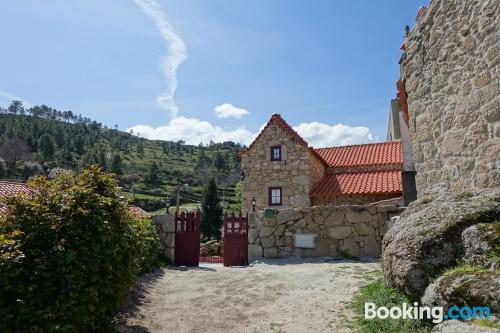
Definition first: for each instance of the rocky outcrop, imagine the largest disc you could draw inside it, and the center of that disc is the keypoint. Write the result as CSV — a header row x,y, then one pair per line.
x,y
482,245
456,326
466,287
428,237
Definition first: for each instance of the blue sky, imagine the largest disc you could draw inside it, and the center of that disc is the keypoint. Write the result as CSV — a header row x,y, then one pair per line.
x,y
318,63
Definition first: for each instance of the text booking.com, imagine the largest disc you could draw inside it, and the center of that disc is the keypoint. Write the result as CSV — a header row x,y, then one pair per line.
x,y
436,314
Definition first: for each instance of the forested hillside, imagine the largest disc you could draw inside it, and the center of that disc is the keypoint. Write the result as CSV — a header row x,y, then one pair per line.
x,y
42,140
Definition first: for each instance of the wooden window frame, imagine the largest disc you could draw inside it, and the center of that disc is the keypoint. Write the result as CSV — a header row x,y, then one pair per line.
x,y
270,193
272,153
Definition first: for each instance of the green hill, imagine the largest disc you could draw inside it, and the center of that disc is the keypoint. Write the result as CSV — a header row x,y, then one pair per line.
x,y
42,140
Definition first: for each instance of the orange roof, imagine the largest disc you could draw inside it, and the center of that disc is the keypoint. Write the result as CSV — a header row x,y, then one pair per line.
x,y
359,183
363,155
11,188
138,212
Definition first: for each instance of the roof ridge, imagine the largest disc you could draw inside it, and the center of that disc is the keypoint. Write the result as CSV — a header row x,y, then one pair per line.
x,y
360,144
284,125
13,182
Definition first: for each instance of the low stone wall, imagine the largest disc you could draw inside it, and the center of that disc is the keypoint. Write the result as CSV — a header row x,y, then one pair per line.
x,y
319,231
166,231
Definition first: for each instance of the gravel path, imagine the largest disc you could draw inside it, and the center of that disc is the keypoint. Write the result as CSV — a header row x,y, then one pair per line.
x,y
280,295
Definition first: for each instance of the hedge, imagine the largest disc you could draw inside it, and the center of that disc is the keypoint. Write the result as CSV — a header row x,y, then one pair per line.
x,y
69,253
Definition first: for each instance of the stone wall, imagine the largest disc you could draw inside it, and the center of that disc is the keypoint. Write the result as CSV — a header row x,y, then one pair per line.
x,y
352,199
165,228
318,231
451,73
295,173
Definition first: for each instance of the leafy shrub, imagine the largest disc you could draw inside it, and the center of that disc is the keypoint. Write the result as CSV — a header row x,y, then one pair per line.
x,y
146,244
69,252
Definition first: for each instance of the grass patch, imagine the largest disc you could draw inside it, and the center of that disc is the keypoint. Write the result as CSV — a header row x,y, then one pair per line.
x,y
276,328
465,269
377,292
486,323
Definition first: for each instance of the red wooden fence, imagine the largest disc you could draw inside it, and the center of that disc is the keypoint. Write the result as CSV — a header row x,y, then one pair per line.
x,y
235,240
212,259
187,239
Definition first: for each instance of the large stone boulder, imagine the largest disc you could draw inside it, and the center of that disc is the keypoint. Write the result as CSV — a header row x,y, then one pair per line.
x,y
482,245
467,286
428,236
456,326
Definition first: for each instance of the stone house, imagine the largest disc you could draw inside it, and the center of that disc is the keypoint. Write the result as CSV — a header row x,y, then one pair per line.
x,y
282,171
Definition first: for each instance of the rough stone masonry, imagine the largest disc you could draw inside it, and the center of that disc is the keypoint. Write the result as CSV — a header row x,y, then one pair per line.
x,y
318,231
451,73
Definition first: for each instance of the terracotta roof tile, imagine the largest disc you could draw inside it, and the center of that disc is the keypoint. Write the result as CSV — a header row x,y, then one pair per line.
x,y
11,188
137,211
363,155
359,183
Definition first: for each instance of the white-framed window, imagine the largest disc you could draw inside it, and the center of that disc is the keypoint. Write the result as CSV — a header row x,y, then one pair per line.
x,y
275,196
276,153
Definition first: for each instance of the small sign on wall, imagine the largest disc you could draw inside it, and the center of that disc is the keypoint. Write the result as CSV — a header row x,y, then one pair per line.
x,y
305,241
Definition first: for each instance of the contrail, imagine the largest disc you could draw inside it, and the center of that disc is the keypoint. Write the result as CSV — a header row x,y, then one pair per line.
x,y
11,97
173,59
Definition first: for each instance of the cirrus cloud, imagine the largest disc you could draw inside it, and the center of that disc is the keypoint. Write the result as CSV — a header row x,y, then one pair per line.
x,y
227,110
175,56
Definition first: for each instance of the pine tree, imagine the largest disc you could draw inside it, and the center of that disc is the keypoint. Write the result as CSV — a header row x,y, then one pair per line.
x,y
46,146
117,165
3,168
154,174
211,214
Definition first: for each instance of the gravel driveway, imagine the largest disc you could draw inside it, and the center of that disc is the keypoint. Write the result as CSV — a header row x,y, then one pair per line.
x,y
280,295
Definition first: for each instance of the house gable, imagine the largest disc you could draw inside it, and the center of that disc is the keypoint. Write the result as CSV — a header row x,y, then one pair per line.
x,y
291,171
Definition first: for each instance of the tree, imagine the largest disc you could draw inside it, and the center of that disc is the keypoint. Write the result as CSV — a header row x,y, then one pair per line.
x,y
31,169
16,107
3,168
211,213
140,148
12,150
46,146
117,165
219,161
154,174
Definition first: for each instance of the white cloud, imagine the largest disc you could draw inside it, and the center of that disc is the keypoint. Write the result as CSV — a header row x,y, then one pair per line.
x,y
228,110
323,135
193,131
175,56
6,98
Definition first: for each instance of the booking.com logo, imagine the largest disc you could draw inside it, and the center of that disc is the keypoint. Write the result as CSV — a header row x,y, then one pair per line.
x,y
436,313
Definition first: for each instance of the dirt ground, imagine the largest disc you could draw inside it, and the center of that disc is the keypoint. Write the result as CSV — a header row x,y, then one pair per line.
x,y
280,295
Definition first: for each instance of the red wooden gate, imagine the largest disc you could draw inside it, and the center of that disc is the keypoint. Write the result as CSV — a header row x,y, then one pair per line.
x,y
187,239
235,240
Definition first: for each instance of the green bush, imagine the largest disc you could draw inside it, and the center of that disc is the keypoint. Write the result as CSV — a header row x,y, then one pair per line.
x,y
146,244
69,252
377,292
